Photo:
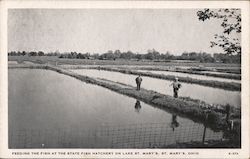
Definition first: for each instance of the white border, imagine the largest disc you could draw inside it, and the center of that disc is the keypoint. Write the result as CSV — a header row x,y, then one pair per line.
x,y
203,153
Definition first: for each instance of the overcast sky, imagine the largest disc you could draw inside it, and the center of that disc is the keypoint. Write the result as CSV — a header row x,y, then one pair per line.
x,y
100,30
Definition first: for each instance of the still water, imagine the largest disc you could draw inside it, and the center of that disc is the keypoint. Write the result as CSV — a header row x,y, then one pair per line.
x,y
215,72
208,94
201,77
51,110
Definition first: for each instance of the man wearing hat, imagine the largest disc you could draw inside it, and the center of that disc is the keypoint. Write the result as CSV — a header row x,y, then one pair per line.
x,y
176,87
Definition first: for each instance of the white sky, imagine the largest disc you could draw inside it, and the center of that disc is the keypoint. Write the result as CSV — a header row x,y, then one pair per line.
x,y
100,30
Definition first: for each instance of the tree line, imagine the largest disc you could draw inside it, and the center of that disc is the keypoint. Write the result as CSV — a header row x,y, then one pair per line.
x,y
23,53
151,55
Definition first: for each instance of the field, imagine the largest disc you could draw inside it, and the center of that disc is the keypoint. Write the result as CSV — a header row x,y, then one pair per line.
x,y
213,103
46,59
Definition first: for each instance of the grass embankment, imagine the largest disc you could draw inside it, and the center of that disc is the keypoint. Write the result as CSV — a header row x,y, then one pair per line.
x,y
225,70
208,144
187,108
27,66
232,86
189,71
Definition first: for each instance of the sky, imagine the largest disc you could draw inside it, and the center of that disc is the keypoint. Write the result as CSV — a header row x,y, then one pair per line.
x,y
100,30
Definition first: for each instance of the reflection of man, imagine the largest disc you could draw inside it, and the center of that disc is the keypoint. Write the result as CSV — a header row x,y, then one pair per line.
x,y
174,123
137,106
138,81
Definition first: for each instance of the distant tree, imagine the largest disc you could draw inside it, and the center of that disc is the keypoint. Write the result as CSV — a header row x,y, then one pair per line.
x,y
225,58
152,54
95,56
166,56
62,56
12,53
32,53
185,56
117,54
128,55
86,55
23,53
193,56
79,56
40,53
73,55
57,52
139,56
109,55
231,24
19,53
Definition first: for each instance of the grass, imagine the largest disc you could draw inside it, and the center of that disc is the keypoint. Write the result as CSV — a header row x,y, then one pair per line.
x,y
45,59
235,71
27,66
209,144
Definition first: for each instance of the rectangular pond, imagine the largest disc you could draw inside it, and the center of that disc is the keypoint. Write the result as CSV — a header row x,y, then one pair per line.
x,y
215,72
51,110
207,94
201,77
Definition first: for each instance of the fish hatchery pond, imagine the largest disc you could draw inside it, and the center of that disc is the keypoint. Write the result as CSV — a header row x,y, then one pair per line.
x,y
194,75
51,110
207,94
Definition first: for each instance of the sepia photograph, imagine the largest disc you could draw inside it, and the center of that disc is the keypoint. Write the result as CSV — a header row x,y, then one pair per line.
x,y
125,78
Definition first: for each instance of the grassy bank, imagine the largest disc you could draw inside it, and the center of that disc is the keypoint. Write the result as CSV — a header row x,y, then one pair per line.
x,y
27,66
223,70
189,71
232,86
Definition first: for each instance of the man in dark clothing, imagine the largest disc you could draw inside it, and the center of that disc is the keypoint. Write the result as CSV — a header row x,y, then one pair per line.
x,y
176,87
138,81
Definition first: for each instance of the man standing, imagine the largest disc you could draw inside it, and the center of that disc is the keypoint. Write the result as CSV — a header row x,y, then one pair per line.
x,y
176,87
138,81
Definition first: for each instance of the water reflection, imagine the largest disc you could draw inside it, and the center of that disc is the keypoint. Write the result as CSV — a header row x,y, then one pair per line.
x,y
137,106
174,122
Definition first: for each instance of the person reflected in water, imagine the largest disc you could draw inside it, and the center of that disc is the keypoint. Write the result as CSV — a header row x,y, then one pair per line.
x,y
138,81
137,106
174,122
